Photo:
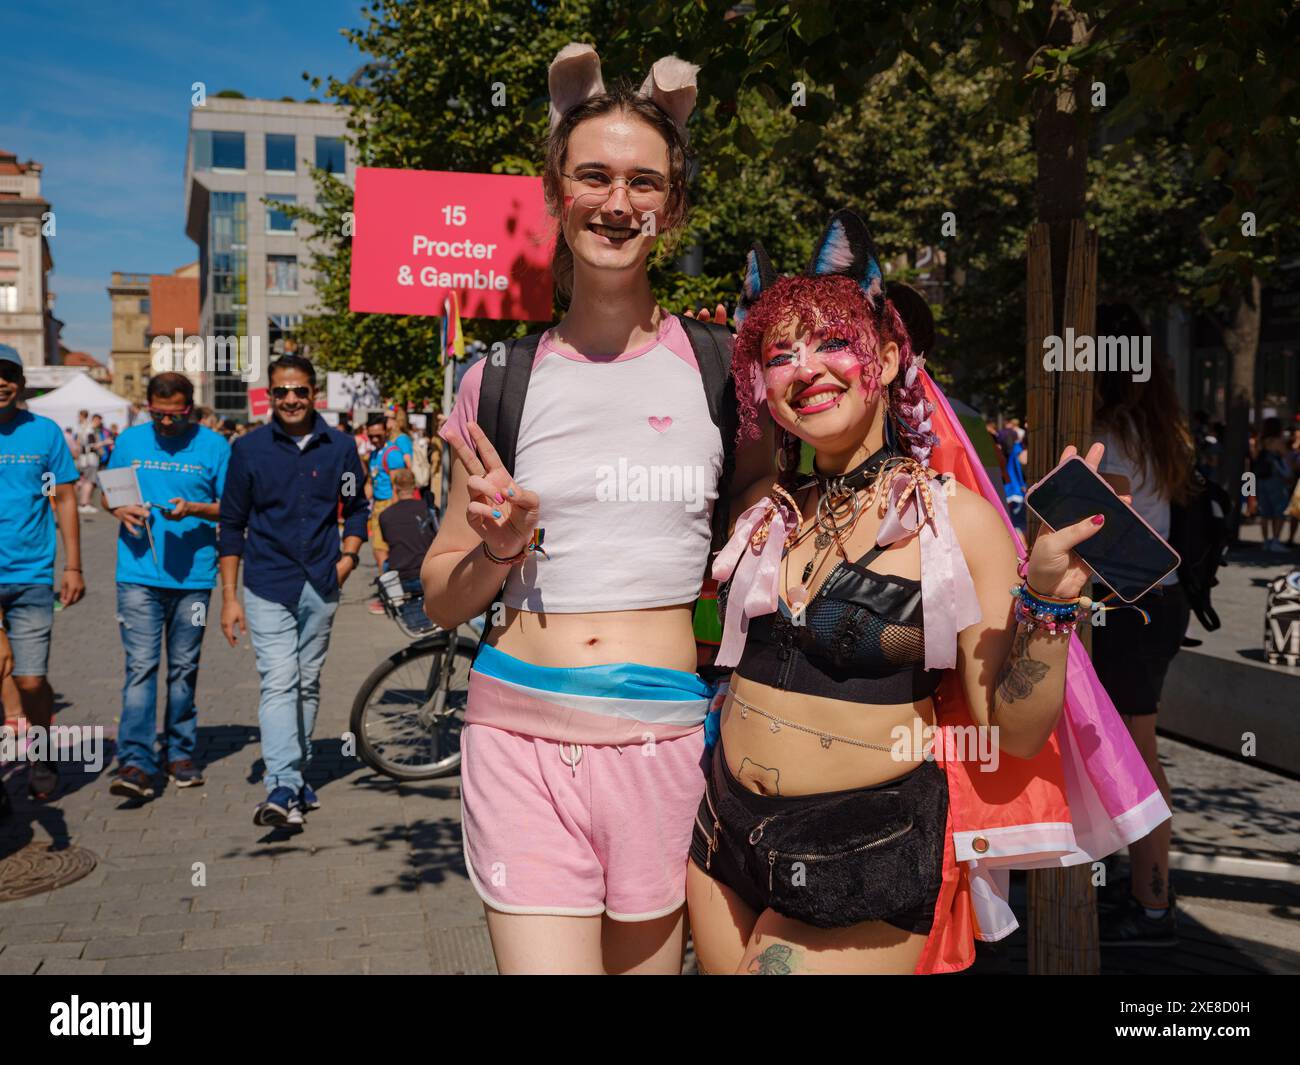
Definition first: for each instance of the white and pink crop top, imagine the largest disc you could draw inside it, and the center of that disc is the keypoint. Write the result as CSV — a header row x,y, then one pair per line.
x,y
625,461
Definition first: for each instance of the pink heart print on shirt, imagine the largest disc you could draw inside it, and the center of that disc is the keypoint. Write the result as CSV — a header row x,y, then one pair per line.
x,y
660,425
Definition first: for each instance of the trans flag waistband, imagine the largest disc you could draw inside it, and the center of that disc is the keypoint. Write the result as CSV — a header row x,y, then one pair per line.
x,y
620,703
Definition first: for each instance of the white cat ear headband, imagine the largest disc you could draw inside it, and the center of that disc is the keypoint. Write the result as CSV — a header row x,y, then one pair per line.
x,y
575,77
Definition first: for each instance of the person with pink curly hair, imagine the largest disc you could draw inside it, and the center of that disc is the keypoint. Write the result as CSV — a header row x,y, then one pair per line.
x,y
864,601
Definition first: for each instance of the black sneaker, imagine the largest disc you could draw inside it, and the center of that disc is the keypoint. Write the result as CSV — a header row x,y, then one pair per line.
x,y
132,782
42,781
1129,926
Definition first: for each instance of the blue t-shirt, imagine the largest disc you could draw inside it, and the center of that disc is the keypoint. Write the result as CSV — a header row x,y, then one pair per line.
x,y
31,447
395,454
191,466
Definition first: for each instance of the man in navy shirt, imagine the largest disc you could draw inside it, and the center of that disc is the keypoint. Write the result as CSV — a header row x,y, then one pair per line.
x,y
35,467
166,566
279,512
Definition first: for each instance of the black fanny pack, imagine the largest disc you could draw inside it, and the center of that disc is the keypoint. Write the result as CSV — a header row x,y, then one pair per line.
x,y
833,861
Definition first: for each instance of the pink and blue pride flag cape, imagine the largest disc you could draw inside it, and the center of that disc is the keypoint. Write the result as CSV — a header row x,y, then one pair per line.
x,y
1087,794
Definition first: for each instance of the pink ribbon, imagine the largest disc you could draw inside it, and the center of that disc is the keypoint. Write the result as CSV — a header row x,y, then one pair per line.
x,y
948,600
757,571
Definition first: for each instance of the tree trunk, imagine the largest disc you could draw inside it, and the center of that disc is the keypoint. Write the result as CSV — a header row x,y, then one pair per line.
x,y
1062,293
1241,339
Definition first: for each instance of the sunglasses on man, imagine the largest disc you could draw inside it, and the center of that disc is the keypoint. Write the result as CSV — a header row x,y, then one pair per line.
x,y
300,391
173,415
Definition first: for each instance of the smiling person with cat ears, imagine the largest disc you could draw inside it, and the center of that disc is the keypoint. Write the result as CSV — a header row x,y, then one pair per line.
x,y
866,603
581,753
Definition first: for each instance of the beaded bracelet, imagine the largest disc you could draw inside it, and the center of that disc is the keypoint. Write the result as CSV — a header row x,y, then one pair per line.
x,y
1035,610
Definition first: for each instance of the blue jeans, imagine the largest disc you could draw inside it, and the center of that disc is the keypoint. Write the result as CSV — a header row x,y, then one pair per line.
x,y
290,644
147,617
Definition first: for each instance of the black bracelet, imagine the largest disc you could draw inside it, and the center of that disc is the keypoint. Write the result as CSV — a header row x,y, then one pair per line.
x,y
513,560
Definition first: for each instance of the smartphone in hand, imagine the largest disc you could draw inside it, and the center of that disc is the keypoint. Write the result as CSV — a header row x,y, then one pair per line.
x,y
1126,555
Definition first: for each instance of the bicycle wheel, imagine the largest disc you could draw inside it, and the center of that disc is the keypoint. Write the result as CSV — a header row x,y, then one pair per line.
x,y
408,715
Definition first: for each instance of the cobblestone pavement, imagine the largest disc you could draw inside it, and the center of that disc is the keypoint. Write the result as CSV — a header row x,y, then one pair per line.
x,y
376,882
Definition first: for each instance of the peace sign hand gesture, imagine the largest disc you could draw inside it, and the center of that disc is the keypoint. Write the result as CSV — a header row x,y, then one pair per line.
x,y
502,513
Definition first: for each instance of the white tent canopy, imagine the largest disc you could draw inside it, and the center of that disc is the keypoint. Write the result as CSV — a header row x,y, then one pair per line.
x,y
81,393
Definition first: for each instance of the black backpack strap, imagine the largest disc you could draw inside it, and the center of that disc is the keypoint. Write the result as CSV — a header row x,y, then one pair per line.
x,y
712,345
502,392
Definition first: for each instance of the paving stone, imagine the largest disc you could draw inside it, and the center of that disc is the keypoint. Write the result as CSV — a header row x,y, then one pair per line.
x,y
45,950
165,964
178,922
70,967
30,932
133,946
292,950
247,935
412,963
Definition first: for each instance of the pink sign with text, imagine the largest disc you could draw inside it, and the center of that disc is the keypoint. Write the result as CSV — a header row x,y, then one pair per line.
x,y
421,234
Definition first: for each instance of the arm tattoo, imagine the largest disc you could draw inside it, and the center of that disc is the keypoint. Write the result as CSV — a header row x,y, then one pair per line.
x,y
774,961
1020,672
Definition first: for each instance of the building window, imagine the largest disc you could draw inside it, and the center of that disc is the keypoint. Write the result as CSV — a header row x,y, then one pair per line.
x,y
282,274
218,150
282,334
276,220
8,296
7,237
330,156
279,153
144,305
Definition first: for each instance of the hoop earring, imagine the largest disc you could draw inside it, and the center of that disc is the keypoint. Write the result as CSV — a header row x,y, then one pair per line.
x,y
782,450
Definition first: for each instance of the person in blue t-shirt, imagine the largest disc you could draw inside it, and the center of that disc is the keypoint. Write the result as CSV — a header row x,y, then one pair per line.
x,y
35,468
390,450
166,566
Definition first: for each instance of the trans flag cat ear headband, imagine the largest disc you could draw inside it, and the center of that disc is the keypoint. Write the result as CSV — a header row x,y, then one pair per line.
x,y
845,248
575,77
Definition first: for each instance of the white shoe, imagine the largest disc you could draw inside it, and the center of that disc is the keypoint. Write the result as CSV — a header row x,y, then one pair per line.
x,y
87,510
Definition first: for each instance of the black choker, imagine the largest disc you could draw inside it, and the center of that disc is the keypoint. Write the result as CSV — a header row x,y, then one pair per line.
x,y
861,476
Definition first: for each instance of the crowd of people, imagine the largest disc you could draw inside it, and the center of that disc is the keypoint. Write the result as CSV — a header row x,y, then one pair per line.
x,y
289,501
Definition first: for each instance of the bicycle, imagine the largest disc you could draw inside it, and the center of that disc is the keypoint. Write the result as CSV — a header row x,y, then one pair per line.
x,y
408,714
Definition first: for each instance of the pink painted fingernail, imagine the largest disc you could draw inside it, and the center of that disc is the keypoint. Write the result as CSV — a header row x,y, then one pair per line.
x,y
500,498
1097,519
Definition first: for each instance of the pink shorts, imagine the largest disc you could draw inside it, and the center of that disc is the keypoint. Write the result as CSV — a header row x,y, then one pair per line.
x,y
576,830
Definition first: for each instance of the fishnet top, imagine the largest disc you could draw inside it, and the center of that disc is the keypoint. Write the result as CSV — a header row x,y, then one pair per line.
x,y
862,638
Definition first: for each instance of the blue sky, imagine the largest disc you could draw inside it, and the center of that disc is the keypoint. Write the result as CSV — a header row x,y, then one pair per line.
x,y
99,93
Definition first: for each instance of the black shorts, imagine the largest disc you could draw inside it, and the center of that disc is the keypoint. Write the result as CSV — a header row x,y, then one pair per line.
x,y
1132,658
832,859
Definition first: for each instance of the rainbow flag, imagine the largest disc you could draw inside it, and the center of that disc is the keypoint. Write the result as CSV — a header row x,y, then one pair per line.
x,y
453,339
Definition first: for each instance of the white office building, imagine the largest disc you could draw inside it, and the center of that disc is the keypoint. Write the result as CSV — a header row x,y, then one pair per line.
x,y
254,282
